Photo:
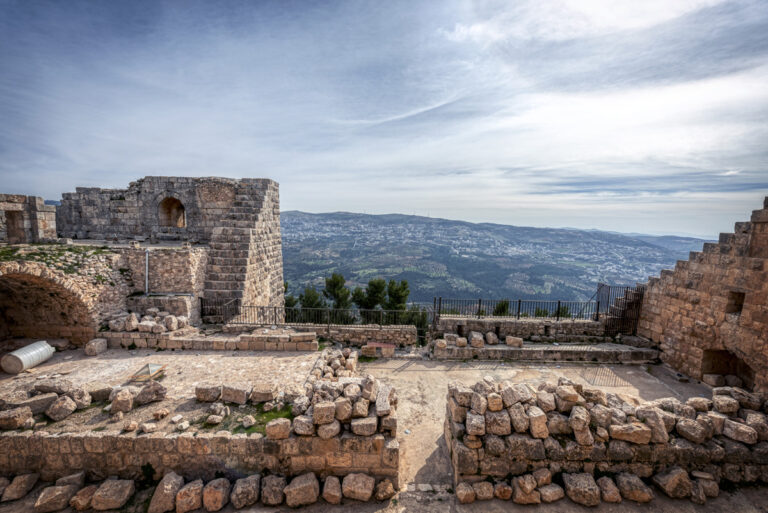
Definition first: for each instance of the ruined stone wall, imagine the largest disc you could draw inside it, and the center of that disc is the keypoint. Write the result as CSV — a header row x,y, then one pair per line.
x,y
494,430
138,211
536,330
26,219
710,314
60,291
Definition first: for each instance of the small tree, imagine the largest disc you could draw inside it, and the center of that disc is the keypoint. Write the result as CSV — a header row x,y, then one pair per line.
x,y
397,295
501,309
311,300
337,292
291,303
541,312
374,294
563,312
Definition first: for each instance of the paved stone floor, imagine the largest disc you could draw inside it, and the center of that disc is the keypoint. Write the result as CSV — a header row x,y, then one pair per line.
x,y
183,368
421,387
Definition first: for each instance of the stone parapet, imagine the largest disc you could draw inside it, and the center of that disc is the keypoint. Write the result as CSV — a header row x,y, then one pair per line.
x,y
598,353
537,330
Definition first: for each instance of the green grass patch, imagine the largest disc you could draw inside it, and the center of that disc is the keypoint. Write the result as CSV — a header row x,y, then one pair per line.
x,y
235,426
367,359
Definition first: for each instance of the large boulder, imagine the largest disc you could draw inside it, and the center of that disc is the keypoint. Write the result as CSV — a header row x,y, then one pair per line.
x,y
112,494
385,490
207,393
739,432
551,493
55,498
303,490
56,385
61,408
19,487
122,401
81,397
216,494
633,488
358,486
272,490
332,490
236,392
81,501
634,432
15,418
246,491
608,490
582,489
674,482
150,393
465,493
190,497
278,429
164,498
96,346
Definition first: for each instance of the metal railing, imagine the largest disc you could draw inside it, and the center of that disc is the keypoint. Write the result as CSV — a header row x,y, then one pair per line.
x,y
518,309
232,312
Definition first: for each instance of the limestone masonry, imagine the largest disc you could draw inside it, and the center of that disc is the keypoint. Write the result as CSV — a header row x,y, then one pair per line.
x,y
710,314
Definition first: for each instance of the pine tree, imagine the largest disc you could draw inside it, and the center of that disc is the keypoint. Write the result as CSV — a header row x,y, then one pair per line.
x,y
337,292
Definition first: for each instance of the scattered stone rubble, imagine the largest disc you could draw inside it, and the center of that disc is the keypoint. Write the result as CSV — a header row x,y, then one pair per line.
x,y
153,321
335,363
685,449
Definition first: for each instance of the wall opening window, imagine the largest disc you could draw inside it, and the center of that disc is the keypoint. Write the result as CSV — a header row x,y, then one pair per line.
x,y
171,213
735,302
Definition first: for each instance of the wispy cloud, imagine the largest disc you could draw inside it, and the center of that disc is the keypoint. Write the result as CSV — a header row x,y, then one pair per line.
x,y
546,113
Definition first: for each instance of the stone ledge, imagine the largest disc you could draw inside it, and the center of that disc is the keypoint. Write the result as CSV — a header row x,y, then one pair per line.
x,y
599,353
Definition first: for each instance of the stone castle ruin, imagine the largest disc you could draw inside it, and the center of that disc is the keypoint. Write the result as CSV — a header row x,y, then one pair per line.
x,y
710,314
237,403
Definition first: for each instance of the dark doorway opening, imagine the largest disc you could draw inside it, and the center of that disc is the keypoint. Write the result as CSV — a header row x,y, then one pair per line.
x,y
725,363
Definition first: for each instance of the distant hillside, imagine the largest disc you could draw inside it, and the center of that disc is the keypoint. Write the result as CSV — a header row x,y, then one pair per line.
x,y
458,259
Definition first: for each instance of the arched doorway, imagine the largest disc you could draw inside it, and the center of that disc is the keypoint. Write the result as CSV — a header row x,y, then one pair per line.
x,y
43,307
171,213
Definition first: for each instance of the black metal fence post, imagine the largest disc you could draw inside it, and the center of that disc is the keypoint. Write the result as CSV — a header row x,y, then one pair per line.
x,y
557,312
479,307
597,311
519,304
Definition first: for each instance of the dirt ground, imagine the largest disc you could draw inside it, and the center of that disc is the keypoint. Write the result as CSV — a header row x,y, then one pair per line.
x,y
421,387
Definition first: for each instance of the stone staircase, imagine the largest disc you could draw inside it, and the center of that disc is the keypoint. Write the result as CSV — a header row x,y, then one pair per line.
x,y
229,259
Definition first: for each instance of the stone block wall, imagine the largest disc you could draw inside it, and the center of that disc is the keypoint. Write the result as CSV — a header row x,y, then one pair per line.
x,y
536,330
138,210
26,219
112,453
171,270
710,314
494,430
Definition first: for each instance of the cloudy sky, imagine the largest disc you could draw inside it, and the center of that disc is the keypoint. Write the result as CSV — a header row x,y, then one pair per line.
x,y
636,116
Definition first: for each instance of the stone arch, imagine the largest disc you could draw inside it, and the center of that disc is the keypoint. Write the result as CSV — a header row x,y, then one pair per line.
x,y
37,302
171,213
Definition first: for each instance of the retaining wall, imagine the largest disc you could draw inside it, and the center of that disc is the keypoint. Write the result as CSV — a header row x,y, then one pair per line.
x,y
569,428
537,330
